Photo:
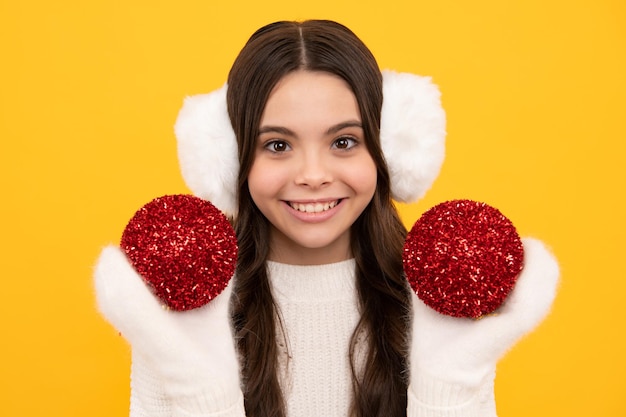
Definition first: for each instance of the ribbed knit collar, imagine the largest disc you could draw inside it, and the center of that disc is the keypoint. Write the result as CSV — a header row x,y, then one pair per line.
x,y
312,282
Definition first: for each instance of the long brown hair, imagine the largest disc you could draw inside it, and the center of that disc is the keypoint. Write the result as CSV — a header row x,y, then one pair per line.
x,y
377,235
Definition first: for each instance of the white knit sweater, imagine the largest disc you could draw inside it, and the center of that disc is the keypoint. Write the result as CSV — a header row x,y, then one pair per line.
x,y
319,308
320,311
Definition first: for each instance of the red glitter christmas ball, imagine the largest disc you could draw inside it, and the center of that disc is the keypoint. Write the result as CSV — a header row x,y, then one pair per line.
x,y
183,247
462,258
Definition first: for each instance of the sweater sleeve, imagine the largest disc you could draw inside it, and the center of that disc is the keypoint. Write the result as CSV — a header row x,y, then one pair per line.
x,y
149,399
424,392
147,396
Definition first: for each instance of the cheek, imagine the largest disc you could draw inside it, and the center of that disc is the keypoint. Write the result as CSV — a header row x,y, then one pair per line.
x,y
263,181
255,179
366,176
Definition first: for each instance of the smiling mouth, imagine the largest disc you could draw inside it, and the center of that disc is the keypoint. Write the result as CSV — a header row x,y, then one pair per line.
x,y
313,207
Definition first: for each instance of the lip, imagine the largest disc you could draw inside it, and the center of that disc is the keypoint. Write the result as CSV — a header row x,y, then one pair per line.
x,y
313,217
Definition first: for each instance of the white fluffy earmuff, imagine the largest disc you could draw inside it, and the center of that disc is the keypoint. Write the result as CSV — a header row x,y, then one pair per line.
x,y
412,134
207,149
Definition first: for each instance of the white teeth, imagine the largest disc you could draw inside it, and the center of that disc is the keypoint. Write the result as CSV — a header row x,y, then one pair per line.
x,y
313,207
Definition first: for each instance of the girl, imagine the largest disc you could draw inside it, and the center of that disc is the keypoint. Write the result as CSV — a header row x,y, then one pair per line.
x,y
319,319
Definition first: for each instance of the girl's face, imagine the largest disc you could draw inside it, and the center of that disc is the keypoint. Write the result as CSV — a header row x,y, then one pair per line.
x,y
312,175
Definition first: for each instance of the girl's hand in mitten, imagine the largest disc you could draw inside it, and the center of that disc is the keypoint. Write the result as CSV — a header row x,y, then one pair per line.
x,y
192,351
463,260
179,247
459,354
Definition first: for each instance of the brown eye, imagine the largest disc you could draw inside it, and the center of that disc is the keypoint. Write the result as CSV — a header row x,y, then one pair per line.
x,y
277,146
344,143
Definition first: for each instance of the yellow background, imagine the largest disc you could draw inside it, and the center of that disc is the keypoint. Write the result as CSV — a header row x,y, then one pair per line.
x,y
89,90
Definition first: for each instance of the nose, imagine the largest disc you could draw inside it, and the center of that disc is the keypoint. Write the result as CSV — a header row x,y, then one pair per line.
x,y
314,170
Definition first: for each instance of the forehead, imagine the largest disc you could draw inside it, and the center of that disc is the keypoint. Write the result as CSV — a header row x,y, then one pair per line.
x,y
310,97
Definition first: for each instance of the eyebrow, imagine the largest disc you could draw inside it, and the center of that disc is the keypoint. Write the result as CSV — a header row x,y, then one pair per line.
x,y
333,129
340,126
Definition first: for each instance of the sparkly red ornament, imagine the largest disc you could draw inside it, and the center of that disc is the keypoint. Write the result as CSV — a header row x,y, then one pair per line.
x,y
183,247
462,258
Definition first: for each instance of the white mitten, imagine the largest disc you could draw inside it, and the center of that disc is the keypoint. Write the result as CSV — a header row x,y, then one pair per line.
x,y
454,359
192,351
